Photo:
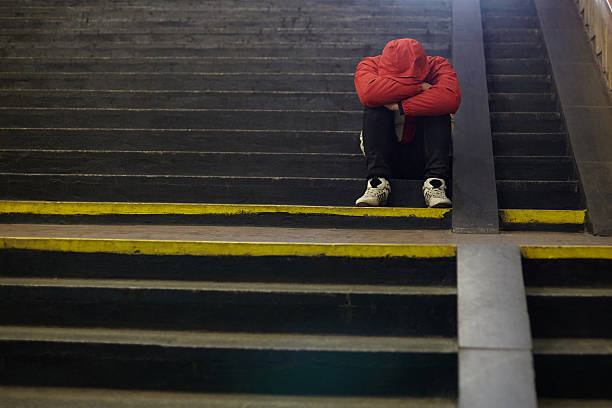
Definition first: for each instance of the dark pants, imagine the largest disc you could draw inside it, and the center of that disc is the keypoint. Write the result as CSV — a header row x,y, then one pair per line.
x,y
424,157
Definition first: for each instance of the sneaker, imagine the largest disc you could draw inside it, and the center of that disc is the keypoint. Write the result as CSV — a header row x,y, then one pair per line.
x,y
434,191
376,194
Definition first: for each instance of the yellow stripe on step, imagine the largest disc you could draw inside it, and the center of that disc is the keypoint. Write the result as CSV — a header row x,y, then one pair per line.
x,y
219,248
117,208
542,216
567,252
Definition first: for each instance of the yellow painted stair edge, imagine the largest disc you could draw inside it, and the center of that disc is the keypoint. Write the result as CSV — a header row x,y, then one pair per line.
x,y
224,248
117,208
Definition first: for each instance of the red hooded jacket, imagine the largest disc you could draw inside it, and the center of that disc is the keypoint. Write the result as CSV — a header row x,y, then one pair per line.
x,y
397,76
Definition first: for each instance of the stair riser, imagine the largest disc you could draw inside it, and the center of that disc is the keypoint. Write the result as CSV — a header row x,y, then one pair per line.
x,y
183,100
509,11
522,103
210,164
339,313
227,370
573,376
534,168
567,272
526,123
278,50
212,39
515,84
539,195
511,35
178,66
188,82
288,120
517,66
518,50
201,190
268,269
214,141
535,144
158,22
510,22
565,317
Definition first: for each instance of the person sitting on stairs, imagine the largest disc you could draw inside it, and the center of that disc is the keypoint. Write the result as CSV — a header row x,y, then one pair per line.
x,y
408,98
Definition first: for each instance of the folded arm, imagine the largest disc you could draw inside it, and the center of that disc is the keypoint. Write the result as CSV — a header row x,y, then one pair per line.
x,y
374,90
442,98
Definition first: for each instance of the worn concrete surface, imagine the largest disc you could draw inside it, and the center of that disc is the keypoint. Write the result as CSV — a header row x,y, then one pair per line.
x,y
269,234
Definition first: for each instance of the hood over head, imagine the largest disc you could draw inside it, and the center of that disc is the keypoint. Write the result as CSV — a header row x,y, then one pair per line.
x,y
403,58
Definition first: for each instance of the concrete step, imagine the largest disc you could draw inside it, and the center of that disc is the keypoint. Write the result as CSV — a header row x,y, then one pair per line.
x,y
224,362
510,22
201,81
520,66
544,195
529,122
171,65
390,271
511,35
200,189
569,295
205,38
351,50
55,397
545,168
523,102
234,307
530,144
303,120
520,83
153,21
515,50
509,11
316,165
160,99
271,141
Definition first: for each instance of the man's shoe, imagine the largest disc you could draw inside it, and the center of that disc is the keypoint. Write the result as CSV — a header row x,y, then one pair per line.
x,y
376,193
434,191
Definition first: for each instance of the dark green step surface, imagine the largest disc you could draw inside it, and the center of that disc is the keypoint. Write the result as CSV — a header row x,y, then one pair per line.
x,y
160,363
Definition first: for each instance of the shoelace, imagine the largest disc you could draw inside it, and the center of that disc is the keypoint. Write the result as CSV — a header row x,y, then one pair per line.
x,y
435,192
375,192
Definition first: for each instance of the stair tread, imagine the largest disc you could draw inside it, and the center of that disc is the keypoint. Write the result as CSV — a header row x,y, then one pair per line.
x,y
230,340
50,397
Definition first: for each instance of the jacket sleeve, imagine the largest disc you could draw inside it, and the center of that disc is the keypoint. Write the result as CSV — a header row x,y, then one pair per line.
x,y
374,90
442,98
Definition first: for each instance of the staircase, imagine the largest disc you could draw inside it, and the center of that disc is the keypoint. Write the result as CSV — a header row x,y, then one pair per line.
x,y
372,324
569,296
207,102
534,165
244,113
